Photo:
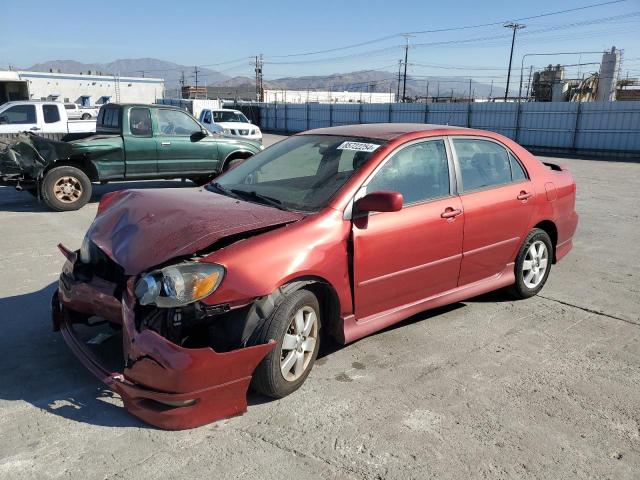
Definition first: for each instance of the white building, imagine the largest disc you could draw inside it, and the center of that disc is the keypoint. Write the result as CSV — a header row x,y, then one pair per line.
x,y
304,96
82,89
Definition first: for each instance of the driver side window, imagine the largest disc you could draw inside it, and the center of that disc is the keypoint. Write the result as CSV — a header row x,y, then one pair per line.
x,y
175,122
419,172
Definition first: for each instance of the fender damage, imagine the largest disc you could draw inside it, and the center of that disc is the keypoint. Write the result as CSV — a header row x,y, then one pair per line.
x,y
183,367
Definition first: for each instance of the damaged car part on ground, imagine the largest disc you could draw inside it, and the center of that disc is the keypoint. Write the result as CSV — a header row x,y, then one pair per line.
x,y
341,231
131,142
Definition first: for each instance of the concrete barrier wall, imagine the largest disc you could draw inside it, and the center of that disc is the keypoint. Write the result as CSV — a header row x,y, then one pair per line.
x,y
593,127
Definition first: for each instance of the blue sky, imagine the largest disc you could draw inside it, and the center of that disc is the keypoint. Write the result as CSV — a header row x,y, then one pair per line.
x,y
197,32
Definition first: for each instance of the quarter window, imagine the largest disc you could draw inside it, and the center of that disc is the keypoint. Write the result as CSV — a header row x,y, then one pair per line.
x,y
175,122
517,172
482,163
51,113
419,172
19,114
140,122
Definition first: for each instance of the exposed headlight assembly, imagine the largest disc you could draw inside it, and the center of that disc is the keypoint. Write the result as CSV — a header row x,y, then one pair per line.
x,y
179,285
85,250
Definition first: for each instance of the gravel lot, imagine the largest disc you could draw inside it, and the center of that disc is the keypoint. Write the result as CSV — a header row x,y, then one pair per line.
x,y
489,388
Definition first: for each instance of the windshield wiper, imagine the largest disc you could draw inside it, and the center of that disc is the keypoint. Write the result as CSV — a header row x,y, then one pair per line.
x,y
224,190
274,202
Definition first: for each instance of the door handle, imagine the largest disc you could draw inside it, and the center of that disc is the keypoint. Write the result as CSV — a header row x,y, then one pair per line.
x,y
524,195
451,212
35,129
165,144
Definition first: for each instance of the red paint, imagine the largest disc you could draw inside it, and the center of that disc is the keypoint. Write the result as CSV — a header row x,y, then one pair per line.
x,y
402,262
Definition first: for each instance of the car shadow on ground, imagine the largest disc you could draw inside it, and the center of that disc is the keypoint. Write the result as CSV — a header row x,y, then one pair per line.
x,y
39,369
12,200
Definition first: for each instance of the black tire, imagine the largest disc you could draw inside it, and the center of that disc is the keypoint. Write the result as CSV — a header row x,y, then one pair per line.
x,y
231,164
267,377
520,289
86,116
65,203
202,181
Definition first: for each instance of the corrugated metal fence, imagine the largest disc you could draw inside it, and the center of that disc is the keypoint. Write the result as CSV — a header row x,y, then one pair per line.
x,y
563,126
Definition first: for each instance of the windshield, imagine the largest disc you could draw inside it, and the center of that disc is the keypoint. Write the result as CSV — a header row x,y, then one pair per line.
x,y
300,173
221,116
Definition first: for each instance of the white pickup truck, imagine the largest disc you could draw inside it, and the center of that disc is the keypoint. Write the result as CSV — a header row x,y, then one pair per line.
x,y
75,111
40,117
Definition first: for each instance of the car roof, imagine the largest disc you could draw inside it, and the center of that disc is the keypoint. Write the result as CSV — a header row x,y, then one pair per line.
x,y
385,131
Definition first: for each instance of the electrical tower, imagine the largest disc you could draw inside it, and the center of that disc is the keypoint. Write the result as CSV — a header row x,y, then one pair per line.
x,y
196,70
259,87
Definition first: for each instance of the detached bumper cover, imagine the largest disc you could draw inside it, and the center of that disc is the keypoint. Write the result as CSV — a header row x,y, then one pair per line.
x,y
162,383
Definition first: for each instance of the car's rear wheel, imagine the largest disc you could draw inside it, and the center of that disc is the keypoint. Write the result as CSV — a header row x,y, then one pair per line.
x,y
86,116
533,264
295,325
65,188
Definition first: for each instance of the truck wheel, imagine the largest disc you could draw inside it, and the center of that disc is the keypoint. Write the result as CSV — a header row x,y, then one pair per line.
x,y
295,325
231,164
65,188
86,116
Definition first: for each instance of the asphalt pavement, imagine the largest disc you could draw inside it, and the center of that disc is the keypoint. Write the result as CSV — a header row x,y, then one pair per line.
x,y
547,387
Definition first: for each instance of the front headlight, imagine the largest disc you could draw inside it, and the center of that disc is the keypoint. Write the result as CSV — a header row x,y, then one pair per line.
x,y
179,285
227,131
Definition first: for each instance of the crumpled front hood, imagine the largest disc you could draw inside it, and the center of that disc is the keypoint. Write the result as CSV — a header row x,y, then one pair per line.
x,y
139,229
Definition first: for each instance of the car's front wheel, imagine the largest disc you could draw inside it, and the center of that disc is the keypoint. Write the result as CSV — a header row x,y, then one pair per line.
x,y
533,264
295,325
65,188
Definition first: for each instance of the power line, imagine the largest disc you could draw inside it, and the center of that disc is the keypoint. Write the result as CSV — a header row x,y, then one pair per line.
x,y
449,29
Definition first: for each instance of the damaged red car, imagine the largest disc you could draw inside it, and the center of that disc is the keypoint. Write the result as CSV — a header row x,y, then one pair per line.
x,y
339,231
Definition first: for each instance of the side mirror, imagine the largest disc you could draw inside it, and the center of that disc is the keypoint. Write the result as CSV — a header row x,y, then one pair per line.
x,y
199,135
383,201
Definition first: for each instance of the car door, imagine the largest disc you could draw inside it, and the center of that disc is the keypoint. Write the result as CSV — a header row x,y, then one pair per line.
x,y
140,146
52,121
497,201
180,148
410,255
19,118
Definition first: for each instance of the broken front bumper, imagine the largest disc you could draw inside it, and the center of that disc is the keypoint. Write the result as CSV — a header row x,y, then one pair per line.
x,y
162,383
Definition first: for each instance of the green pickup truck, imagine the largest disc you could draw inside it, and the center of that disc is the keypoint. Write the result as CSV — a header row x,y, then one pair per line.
x,y
132,142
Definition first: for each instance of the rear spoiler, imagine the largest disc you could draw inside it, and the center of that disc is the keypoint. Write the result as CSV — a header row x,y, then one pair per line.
x,y
555,166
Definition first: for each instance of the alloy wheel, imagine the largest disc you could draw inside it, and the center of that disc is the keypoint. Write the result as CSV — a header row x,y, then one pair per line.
x,y
535,264
67,189
299,343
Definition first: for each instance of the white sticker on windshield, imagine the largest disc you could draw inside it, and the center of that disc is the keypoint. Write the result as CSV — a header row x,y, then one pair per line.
x,y
358,146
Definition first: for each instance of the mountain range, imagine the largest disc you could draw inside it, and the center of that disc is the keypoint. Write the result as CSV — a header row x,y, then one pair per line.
x,y
363,80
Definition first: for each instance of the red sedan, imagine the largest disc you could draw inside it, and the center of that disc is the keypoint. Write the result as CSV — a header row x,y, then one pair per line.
x,y
338,231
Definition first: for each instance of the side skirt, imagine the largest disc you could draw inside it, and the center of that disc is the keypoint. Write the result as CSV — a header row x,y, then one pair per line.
x,y
356,329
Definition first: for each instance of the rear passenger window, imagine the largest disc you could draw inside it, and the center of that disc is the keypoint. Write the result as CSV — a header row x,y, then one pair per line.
x,y
419,172
51,113
482,163
140,122
517,172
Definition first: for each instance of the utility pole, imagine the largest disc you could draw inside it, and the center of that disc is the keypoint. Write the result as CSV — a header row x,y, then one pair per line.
x,y
182,85
399,70
406,55
469,90
515,27
195,69
529,82
491,91
427,99
259,64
